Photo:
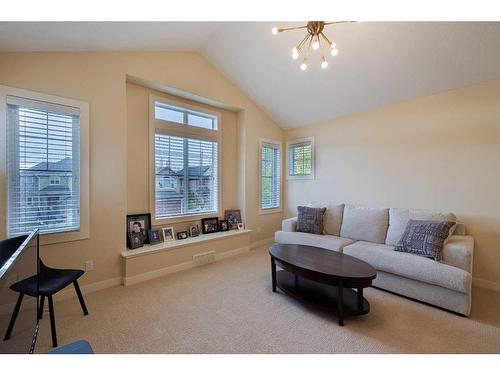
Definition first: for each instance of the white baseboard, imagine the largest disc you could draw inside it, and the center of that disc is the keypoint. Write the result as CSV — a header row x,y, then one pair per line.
x,y
179,267
265,241
486,284
67,293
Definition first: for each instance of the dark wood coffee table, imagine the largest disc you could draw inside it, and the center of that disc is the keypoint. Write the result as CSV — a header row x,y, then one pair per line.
x,y
322,278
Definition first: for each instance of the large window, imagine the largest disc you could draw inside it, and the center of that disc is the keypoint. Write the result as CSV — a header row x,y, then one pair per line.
x,y
300,163
186,160
43,164
270,175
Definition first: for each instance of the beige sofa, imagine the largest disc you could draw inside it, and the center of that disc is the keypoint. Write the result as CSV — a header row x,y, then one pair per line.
x,y
371,234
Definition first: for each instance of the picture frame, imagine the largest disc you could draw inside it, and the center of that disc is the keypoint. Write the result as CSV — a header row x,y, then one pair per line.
x,y
168,234
241,226
194,230
154,236
135,240
182,235
210,225
233,217
223,225
138,223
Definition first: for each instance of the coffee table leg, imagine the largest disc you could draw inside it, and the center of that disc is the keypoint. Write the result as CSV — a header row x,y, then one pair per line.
x,y
273,273
341,305
360,299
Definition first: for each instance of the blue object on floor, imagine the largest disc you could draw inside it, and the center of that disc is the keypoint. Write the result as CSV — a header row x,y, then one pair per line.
x,y
77,347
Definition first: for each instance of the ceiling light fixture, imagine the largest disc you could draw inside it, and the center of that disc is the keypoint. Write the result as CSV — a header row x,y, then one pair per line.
x,y
313,40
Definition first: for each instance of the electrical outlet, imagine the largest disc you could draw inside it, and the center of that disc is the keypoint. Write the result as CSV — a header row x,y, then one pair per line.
x,y
88,265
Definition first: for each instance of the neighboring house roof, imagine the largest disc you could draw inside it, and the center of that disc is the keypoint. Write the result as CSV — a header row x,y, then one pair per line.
x,y
63,165
55,190
192,171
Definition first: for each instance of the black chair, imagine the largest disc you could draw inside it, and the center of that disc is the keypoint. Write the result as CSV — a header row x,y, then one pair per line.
x,y
51,281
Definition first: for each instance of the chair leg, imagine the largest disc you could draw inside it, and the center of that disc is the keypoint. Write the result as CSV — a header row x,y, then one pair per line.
x,y
52,322
80,298
40,309
14,316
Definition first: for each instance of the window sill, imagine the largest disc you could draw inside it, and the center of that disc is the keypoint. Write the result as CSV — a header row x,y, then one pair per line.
x,y
268,211
176,244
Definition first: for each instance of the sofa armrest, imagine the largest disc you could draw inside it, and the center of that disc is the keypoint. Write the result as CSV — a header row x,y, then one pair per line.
x,y
289,225
459,252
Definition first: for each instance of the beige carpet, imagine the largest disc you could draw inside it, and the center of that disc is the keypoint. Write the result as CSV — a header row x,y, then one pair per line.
x,y
228,307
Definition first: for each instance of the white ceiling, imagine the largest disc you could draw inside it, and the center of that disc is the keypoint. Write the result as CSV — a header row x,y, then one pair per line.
x,y
379,62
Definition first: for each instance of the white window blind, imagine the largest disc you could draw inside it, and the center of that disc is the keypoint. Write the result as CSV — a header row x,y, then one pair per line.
x,y
270,175
43,158
300,158
186,173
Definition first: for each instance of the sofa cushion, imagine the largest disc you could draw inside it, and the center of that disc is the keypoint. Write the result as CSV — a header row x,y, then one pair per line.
x,y
333,216
398,219
384,258
310,219
324,241
365,223
425,238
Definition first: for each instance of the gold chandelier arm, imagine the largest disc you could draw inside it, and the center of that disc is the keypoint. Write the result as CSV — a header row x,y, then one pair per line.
x,y
309,45
281,29
336,22
326,38
299,46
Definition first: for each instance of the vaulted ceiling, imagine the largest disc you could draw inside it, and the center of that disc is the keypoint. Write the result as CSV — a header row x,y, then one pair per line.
x,y
379,62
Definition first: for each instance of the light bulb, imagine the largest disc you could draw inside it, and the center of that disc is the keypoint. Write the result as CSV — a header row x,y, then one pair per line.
x,y
295,53
303,66
315,45
334,52
324,63
274,30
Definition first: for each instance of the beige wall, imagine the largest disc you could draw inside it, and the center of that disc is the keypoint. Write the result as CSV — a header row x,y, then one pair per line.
x,y
440,152
99,78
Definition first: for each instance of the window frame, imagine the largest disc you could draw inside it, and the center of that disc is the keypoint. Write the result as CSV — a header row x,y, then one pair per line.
x,y
289,145
265,211
83,107
170,128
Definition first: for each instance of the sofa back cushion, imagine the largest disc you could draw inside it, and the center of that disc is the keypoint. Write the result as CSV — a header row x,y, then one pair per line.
x,y
333,216
365,223
399,217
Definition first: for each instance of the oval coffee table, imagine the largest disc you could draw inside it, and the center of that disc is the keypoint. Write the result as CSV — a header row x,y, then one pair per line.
x,y
322,278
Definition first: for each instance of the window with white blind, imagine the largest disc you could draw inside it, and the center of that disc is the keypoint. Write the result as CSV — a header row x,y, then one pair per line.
x,y
270,175
43,164
300,163
185,144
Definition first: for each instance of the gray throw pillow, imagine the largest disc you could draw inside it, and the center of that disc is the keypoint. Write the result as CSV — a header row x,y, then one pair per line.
x,y
310,220
425,238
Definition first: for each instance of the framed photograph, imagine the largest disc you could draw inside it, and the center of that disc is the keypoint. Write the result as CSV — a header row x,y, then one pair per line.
x,y
140,223
154,236
182,235
241,226
210,225
223,225
194,230
135,240
168,234
233,217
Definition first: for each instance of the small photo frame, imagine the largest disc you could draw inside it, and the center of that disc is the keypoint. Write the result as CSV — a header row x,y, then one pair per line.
x,y
233,217
241,226
182,235
154,236
135,240
210,225
140,223
194,230
223,225
168,234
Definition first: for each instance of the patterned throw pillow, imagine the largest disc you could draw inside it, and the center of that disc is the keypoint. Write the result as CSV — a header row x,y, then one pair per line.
x,y
425,238
310,220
